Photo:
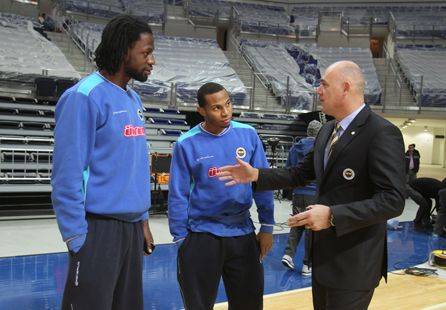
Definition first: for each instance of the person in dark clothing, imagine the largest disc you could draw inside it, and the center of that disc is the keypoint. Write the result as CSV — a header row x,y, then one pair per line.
x,y
40,28
302,198
412,163
440,223
358,164
48,23
422,191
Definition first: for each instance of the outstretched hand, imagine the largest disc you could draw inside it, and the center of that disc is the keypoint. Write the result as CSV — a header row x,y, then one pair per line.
x,y
241,173
316,217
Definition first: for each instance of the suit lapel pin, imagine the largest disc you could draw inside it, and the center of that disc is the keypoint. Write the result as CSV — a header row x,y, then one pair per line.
x,y
353,133
348,174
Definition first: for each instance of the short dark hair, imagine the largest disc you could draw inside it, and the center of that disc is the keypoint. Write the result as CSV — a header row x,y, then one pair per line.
x,y
118,36
413,144
207,89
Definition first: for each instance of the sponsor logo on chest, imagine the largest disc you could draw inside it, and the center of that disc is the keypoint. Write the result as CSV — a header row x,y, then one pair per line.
x,y
134,131
212,172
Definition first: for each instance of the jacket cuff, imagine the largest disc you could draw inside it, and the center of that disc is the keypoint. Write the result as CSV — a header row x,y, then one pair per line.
x,y
267,229
75,244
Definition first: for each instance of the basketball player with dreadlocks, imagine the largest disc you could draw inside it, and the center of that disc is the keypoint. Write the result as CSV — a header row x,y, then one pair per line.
x,y
100,175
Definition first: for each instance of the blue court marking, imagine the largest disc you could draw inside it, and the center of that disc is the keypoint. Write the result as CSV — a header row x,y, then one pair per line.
x,y
37,281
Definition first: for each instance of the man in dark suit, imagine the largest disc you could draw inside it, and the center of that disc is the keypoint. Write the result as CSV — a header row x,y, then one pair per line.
x,y
358,163
412,163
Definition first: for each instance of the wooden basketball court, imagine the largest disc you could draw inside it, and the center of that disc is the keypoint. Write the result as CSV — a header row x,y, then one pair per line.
x,y
400,292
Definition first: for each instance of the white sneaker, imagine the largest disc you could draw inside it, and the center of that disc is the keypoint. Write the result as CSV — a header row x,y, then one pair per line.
x,y
288,261
306,270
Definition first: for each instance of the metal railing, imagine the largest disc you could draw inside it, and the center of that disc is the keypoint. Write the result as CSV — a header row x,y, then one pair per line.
x,y
24,164
86,45
423,31
216,19
25,140
260,77
348,28
279,157
236,25
397,91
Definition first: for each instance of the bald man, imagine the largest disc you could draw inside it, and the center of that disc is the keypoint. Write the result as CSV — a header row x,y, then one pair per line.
x,y
358,164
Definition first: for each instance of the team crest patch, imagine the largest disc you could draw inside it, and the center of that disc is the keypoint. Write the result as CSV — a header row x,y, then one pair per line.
x,y
141,115
240,153
348,174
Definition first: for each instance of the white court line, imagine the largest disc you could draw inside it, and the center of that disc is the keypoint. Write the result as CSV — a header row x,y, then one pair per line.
x,y
436,307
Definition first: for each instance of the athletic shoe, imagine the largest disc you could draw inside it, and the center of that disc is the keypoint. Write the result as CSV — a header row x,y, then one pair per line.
x,y
287,261
306,270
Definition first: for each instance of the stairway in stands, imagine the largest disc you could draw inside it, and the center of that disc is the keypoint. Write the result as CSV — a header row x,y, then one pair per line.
x,y
395,91
72,52
263,98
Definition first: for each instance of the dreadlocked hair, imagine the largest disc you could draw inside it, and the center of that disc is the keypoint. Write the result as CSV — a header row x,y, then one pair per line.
x,y
118,36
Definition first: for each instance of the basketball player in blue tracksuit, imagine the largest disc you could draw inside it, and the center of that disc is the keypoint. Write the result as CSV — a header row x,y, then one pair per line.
x,y
211,222
100,177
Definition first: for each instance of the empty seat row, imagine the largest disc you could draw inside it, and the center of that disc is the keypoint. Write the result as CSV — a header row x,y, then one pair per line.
x,y
25,112
25,157
5,124
174,133
164,121
25,177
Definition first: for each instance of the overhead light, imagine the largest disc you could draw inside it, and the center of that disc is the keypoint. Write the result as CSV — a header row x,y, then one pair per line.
x,y
411,120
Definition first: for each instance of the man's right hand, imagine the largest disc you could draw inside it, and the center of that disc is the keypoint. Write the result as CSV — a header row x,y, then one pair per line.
x,y
241,173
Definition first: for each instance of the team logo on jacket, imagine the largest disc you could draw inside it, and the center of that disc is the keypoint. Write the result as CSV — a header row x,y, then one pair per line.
x,y
141,115
212,172
348,174
240,153
133,131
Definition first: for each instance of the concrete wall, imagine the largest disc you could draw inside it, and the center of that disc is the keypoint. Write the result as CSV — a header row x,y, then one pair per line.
x,y
438,149
183,29
26,9
336,39
424,142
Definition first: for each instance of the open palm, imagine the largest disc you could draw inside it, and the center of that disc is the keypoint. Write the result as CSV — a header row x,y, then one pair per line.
x,y
241,173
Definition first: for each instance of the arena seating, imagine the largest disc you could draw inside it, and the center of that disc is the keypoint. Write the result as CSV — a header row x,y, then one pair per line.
x,y
425,23
274,63
430,64
362,56
209,9
306,20
187,62
287,128
24,53
105,9
256,18
26,138
151,10
264,19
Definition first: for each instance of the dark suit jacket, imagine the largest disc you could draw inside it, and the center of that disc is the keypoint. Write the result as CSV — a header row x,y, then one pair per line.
x,y
364,185
416,161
